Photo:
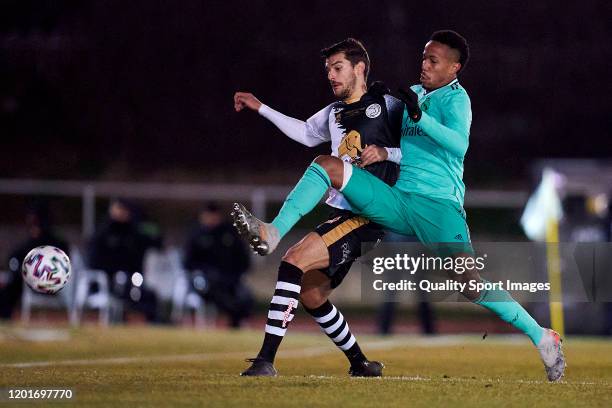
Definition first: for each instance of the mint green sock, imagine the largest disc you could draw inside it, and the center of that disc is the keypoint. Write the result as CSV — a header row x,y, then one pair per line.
x,y
303,198
509,310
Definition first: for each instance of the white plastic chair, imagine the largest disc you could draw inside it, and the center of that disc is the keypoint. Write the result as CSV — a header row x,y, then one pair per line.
x,y
31,300
183,297
101,300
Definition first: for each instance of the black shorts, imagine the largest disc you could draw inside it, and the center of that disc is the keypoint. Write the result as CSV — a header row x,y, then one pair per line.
x,y
343,234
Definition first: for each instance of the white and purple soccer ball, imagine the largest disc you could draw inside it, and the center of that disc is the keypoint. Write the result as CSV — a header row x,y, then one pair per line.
x,y
46,269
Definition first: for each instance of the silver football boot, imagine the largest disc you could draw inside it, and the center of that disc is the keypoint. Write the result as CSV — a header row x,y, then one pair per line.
x,y
551,353
261,236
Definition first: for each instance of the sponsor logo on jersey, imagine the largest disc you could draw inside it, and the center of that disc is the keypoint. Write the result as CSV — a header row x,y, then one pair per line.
x,y
350,146
412,130
373,111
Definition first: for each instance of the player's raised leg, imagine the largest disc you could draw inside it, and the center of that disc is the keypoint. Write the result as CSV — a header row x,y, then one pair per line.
x,y
323,173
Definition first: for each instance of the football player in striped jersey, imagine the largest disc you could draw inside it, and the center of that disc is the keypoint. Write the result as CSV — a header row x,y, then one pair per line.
x,y
363,126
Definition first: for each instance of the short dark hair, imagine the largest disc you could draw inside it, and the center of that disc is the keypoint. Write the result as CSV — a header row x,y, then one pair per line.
x,y
354,51
455,41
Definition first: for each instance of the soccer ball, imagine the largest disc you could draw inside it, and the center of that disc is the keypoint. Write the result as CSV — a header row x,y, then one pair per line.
x,y
46,269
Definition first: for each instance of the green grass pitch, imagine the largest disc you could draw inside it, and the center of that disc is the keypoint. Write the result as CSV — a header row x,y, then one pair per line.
x,y
156,366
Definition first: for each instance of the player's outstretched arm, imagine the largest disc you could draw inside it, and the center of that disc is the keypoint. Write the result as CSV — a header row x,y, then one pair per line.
x,y
295,129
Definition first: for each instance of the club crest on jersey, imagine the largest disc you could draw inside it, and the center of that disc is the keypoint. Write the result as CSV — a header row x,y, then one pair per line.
x,y
373,111
425,105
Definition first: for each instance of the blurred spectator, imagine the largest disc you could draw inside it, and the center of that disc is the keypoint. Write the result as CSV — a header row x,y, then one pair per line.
x,y
586,219
40,232
118,247
583,220
216,253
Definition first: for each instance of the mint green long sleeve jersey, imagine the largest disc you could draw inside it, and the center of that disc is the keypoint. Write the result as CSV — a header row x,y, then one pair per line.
x,y
433,149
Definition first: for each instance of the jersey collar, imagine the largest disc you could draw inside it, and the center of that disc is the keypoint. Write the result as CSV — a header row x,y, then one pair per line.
x,y
454,81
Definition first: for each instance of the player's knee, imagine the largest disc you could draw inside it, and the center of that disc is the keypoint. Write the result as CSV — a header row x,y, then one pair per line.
x,y
324,160
293,256
466,276
312,298
334,168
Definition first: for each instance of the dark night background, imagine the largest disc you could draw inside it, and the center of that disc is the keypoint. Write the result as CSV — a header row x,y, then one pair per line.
x,y
142,90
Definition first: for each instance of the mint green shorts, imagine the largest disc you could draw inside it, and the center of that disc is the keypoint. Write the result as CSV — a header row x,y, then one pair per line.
x,y
437,223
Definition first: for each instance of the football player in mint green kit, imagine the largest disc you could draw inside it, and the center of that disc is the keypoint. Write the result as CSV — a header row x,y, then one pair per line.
x,y
427,200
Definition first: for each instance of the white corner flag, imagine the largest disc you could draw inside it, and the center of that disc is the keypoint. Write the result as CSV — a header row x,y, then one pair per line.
x,y
543,207
540,221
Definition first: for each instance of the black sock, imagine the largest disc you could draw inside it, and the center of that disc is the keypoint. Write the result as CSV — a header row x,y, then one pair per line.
x,y
282,309
333,324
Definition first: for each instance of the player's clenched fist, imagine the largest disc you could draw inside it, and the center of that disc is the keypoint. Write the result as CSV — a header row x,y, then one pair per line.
x,y
245,99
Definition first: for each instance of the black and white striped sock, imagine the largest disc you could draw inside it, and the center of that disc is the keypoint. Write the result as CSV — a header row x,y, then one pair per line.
x,y
333,324
282,309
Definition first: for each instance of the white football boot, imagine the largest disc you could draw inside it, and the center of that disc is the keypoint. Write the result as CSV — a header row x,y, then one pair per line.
x,y
551,353
262,237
